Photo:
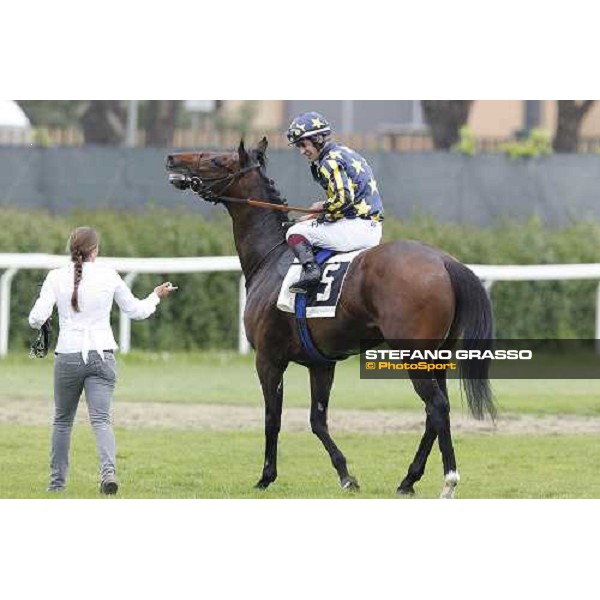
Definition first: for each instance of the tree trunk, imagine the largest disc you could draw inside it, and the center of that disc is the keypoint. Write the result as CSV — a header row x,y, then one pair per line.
x,y
160,122
570,117
104,122
445,118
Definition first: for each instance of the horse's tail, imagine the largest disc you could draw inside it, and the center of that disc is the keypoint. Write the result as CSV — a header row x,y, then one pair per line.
x,y
473,320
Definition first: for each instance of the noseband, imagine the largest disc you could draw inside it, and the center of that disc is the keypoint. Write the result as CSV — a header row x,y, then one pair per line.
x,y
210,188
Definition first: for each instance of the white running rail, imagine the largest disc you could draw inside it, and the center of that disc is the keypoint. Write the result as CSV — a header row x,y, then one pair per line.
x,y
10,264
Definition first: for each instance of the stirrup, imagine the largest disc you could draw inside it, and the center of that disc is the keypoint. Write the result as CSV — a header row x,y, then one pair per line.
x,y
296,289
305,285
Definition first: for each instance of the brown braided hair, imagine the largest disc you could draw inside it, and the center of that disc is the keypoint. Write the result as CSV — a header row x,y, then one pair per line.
x,y
82,242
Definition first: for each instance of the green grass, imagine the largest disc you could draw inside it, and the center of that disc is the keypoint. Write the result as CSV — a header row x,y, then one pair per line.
x,y
163,463
186,464
228,378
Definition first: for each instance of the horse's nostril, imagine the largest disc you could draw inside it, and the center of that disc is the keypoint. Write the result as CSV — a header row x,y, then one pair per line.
x,y
169,162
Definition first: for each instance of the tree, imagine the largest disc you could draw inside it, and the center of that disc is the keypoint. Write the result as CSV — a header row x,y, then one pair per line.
x,y
240,120
103,122
445,118
53,113
161,117
570,116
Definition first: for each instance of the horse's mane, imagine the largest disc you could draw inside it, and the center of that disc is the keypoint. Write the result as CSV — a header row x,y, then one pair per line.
x,y
272,193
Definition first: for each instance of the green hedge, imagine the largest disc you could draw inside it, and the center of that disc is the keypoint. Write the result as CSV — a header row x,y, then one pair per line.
x,y
552,309
203,314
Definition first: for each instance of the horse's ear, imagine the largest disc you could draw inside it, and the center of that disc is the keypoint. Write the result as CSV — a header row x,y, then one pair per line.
x,y
261,151
262,146
243,155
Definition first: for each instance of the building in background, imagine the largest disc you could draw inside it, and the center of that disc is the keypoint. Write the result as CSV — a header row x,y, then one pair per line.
x,y
370,125
364,116
507,118
488,118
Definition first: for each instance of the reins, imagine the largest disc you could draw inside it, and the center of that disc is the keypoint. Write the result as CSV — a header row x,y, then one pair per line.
x,y
206,187
263,204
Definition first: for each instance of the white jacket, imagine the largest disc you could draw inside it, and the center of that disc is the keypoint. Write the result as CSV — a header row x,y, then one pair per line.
x,y
90,328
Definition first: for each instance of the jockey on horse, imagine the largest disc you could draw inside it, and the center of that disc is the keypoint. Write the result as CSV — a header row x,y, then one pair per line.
x,y
351,217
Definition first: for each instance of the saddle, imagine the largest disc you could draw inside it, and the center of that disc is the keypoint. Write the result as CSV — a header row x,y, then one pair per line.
x,y
323,301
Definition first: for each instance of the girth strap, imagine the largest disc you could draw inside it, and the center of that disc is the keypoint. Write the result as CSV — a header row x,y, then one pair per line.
x,y
300,311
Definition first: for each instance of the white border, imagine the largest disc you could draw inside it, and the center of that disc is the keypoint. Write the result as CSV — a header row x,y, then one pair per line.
x,y
297,549
289,549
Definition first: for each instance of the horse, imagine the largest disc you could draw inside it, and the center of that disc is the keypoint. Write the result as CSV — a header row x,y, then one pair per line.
x,y
399,290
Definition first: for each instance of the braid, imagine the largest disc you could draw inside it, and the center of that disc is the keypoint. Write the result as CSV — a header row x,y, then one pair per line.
x,y
82,242
78,260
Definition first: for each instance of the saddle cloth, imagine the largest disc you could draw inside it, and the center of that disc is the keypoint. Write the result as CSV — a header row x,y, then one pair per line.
x,y
324,302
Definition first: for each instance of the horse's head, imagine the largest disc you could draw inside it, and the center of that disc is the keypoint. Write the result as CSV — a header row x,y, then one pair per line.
x,y
214,174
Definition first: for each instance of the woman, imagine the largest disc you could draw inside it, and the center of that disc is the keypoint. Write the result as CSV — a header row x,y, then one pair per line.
x,y
84,292
352,215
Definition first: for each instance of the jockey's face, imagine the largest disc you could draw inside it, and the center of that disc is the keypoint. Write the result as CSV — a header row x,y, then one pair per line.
x,y
308,150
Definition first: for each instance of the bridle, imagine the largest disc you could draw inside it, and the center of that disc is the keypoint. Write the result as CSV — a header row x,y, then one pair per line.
x,y
210,188
206,187
213,189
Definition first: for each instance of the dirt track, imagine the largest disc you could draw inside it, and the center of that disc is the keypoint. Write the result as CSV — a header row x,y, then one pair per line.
x,y
235,418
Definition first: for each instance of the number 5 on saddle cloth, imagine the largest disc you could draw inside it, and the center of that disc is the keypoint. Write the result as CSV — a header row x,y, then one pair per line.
x,y
322,302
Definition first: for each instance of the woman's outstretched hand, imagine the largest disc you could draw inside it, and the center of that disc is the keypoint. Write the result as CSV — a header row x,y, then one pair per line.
x,y
164,289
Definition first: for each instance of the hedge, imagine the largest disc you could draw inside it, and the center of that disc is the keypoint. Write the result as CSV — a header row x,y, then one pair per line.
x,y
203,314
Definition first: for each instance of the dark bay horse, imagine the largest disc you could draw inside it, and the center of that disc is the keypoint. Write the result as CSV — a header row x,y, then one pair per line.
x,y
401,290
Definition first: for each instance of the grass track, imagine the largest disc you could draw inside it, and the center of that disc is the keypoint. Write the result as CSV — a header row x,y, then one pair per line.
x,y
163,463
186,464
229,378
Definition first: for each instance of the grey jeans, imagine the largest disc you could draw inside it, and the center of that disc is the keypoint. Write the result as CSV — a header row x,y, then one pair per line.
x,y
71,377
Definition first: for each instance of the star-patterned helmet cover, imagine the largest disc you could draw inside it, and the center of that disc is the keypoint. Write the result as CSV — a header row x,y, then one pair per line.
x,y
307,125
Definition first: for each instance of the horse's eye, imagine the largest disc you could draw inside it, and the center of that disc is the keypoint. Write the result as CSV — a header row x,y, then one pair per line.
x,y
215,162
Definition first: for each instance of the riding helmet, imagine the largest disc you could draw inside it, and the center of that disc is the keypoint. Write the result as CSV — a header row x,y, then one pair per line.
x,y
307,125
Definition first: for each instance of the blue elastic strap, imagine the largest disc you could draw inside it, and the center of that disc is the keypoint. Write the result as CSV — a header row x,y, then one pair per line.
x,y
300,310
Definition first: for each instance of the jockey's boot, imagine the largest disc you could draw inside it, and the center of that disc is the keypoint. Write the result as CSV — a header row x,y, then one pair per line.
x,y
311,272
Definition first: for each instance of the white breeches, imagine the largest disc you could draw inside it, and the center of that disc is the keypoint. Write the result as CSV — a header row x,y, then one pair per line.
x,y
344,235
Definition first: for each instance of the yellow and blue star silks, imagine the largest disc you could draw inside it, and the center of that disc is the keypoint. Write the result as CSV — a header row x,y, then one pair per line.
x,y
349,182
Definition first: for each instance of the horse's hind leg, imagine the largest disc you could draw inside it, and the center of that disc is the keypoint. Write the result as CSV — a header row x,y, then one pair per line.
x,y
270,374
321,380
437,408
417,467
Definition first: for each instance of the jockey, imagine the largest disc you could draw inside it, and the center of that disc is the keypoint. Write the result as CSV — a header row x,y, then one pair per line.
x,y
352,214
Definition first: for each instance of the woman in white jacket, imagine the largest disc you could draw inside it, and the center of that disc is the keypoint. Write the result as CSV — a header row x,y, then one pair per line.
x,y
84,293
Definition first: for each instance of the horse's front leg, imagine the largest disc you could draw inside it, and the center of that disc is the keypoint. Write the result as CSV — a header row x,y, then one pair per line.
x,y
270,374
321,380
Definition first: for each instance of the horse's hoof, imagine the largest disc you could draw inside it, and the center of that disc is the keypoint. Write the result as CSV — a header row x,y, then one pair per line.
x,y
447,492
405,490
263,484
450,482
349,483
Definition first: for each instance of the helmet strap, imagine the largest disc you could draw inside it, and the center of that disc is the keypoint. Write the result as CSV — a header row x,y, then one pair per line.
x,y
319,141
